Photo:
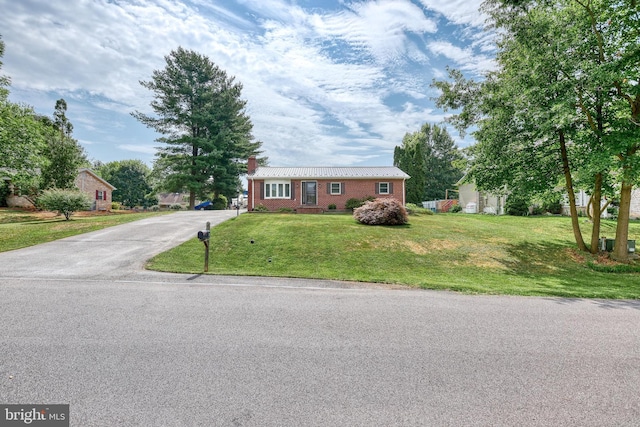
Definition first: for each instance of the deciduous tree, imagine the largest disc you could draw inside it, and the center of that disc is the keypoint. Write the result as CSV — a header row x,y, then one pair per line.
x,y
563,92
428,156
4,80
131,179
64,156
21,140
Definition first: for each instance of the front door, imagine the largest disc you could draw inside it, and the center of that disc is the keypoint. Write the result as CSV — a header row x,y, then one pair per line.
x,y
309,193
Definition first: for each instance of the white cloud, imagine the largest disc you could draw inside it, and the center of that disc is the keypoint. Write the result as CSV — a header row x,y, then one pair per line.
x,y
146,149
461,12
317,81
377,27
465,58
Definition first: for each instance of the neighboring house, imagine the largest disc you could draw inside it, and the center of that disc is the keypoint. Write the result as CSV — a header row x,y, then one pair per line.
x,y
473,201
582,201
634,211
99,190
314,189
166,200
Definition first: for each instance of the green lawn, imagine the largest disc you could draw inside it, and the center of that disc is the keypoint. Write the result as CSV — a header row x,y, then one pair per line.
x,y
19,228
467,253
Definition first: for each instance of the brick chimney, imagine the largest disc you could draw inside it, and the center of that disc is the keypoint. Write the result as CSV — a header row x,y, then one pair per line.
x,y
251,165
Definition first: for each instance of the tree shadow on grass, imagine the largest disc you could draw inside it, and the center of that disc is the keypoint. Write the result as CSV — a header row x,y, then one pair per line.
x,y
45,221
609,304
552,269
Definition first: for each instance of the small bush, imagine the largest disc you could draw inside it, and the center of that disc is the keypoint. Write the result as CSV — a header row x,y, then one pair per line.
x,y
260,208
455,208
332,207
553,207
537,210
115,206
175,207
381,212
354,203
410,207
154,208
516,206
219,203
285,210
65,202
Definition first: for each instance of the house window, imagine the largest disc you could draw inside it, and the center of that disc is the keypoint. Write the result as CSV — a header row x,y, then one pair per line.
x,y
277,190
101,195
383,188
336,188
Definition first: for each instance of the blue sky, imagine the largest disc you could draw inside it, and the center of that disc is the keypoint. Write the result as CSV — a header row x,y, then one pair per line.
x,y
328,83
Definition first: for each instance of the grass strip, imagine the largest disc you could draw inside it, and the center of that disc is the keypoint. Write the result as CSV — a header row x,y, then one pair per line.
x,y
466,253
20,229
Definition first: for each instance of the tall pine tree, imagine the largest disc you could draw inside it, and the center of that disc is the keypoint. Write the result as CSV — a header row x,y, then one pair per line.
x,y
206,131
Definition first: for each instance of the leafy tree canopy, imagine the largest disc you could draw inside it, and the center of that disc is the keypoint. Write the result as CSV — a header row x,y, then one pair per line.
x,y
430,157
4,80
562,101
132,181
64,156
22,142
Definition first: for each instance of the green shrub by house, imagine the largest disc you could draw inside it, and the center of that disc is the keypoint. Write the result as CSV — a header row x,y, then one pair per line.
x,y
65,202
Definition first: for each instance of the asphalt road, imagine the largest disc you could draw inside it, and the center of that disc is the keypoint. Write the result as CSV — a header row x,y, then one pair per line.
x,y
125,347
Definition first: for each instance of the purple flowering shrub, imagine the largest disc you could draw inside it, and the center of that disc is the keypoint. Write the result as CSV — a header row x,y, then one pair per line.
x,y
381,212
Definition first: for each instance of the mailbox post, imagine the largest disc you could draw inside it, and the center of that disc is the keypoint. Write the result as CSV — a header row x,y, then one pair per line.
x,y
203,236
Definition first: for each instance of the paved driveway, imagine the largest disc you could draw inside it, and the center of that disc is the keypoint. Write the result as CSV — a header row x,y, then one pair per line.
x,y
109,253
126,347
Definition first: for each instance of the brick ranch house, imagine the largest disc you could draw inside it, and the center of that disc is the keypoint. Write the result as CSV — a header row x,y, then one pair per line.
x,y
98,190
313,189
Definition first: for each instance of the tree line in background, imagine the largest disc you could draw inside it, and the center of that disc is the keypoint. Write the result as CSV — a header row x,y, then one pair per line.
x,y
36,152
563,107
206,140
433,161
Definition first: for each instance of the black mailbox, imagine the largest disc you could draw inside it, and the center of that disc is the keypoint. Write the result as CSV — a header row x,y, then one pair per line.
x,y
203,235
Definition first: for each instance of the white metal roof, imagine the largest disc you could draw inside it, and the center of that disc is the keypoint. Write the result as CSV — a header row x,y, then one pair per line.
x,y
353,172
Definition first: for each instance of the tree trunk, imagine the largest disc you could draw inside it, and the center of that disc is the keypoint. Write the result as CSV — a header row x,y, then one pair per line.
x,y
572,197
596,202
589,215
194,155
192,199
620,252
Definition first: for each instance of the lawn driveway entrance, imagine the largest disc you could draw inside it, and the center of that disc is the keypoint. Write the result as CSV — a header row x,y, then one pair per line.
x,y
109,253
